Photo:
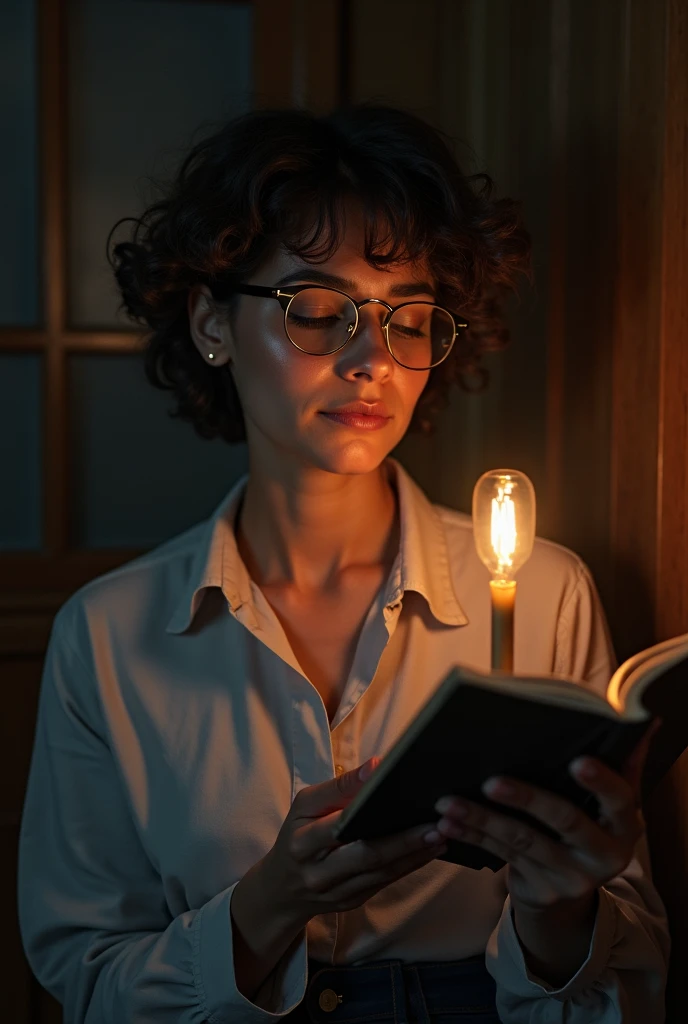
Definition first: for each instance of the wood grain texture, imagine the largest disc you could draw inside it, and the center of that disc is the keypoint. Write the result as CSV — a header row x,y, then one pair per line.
x,y
559,61
671,614
22,339
297,54
119,342
27,571
17,996
636,345
322,52
668,814
52,126
272,53
21,635
20,680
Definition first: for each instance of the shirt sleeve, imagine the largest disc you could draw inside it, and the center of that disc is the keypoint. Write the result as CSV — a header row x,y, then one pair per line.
x,y
624,975
94,920
583,647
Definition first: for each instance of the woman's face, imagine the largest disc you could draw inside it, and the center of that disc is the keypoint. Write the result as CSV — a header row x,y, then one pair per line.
x,y
285,393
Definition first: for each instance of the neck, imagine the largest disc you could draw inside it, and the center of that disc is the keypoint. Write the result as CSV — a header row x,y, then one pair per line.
x,y
306,529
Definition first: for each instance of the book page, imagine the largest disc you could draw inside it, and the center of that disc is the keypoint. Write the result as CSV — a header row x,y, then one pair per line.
x,y
629,682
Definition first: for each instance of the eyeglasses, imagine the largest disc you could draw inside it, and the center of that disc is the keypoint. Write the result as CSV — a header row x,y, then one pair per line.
x,y
320,321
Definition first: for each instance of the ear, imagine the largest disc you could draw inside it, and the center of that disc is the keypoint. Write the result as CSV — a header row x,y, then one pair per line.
x,y
210,330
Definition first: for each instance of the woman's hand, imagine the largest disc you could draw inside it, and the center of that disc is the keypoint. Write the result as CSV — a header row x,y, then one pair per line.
x,y
543,873
308,872
315,874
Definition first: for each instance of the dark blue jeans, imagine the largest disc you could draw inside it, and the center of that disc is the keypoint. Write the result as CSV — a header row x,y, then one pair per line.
x,y
394,992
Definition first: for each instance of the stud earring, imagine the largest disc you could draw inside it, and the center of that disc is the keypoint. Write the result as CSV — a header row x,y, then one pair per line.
x,y
211,355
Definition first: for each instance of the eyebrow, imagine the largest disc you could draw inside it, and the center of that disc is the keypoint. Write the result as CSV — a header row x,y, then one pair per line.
x,y
306,274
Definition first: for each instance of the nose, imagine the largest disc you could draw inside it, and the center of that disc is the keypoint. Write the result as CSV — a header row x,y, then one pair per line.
x,y
367,350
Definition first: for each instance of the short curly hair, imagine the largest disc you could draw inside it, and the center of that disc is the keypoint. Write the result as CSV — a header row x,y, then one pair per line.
x,y
258,180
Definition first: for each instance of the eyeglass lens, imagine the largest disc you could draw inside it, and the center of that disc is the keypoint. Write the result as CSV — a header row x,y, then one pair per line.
x,y
320,321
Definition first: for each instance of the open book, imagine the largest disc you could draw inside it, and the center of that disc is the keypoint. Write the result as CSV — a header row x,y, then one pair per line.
x,y
530,727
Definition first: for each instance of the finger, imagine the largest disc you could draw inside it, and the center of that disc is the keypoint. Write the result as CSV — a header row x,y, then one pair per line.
x,y
336,793
514,840
363,884
617,797
316,839
520,847
577,829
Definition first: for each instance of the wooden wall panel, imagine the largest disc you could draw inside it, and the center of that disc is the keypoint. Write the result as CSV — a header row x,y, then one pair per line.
x,y
52,127
17,996
672,505
297,53
581,109
585,193
478,70
20,683
637,342
650,450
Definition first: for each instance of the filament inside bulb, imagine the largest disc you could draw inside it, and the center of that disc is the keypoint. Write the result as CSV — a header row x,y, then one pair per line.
x,y
503,526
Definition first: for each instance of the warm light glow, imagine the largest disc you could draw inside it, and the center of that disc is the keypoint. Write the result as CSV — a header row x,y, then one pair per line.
x,y
504,521
503,526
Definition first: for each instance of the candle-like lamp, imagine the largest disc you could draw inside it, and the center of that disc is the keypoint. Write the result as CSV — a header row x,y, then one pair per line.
x,y
504,531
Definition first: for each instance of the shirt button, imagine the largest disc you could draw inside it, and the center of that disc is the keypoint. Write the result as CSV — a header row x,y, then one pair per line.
x,y
339,769
328,1000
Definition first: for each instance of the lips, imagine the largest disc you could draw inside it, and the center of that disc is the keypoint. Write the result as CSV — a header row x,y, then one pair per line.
x,y
356,420
375,409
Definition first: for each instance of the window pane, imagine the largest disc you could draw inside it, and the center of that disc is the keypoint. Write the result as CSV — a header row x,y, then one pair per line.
x,y
139,477
21,452
147,79
19,302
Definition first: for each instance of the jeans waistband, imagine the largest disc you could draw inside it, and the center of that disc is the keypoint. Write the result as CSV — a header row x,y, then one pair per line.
x,y
395,992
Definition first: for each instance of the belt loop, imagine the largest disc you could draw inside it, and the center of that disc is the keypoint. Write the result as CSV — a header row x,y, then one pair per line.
x,y
401,1015
416,998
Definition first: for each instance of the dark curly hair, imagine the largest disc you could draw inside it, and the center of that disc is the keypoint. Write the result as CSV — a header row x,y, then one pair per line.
x,y
258,180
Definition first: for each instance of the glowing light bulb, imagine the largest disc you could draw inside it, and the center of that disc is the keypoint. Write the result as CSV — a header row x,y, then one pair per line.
x,y
504,531
504,521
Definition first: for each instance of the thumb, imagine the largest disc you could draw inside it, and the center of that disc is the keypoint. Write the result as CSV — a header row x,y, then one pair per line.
x,y
349,782
325,797
366,769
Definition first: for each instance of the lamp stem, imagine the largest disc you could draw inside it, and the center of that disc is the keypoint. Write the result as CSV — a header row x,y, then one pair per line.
x,y
503,594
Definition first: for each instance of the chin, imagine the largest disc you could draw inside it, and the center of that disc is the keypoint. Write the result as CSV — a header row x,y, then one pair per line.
x,y
352,458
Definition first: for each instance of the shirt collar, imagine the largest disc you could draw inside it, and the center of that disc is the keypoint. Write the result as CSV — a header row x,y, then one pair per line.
x,y
216,563
422,563
423,560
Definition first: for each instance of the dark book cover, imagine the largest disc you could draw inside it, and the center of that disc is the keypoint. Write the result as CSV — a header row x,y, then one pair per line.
x,y
475,733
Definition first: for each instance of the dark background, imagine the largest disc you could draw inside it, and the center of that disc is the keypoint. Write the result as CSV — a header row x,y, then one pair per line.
x,y
578,107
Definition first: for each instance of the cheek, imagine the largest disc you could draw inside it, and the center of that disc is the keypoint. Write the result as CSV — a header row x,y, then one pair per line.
x,y
410,387
273,377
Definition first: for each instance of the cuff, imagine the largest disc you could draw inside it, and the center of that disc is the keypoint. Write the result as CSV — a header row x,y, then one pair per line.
x,y
213,970
506,963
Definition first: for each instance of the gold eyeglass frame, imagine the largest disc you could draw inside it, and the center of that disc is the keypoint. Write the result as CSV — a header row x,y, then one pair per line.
x,y
285,299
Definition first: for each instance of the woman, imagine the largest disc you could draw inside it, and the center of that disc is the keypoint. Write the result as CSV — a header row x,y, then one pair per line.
x,y
314,285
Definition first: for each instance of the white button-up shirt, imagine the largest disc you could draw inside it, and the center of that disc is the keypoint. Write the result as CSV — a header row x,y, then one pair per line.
x,y
175,727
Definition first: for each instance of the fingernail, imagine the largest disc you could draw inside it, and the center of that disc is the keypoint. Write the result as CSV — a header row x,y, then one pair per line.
x,y
499,787
366,770
453,806
585,768
431,838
